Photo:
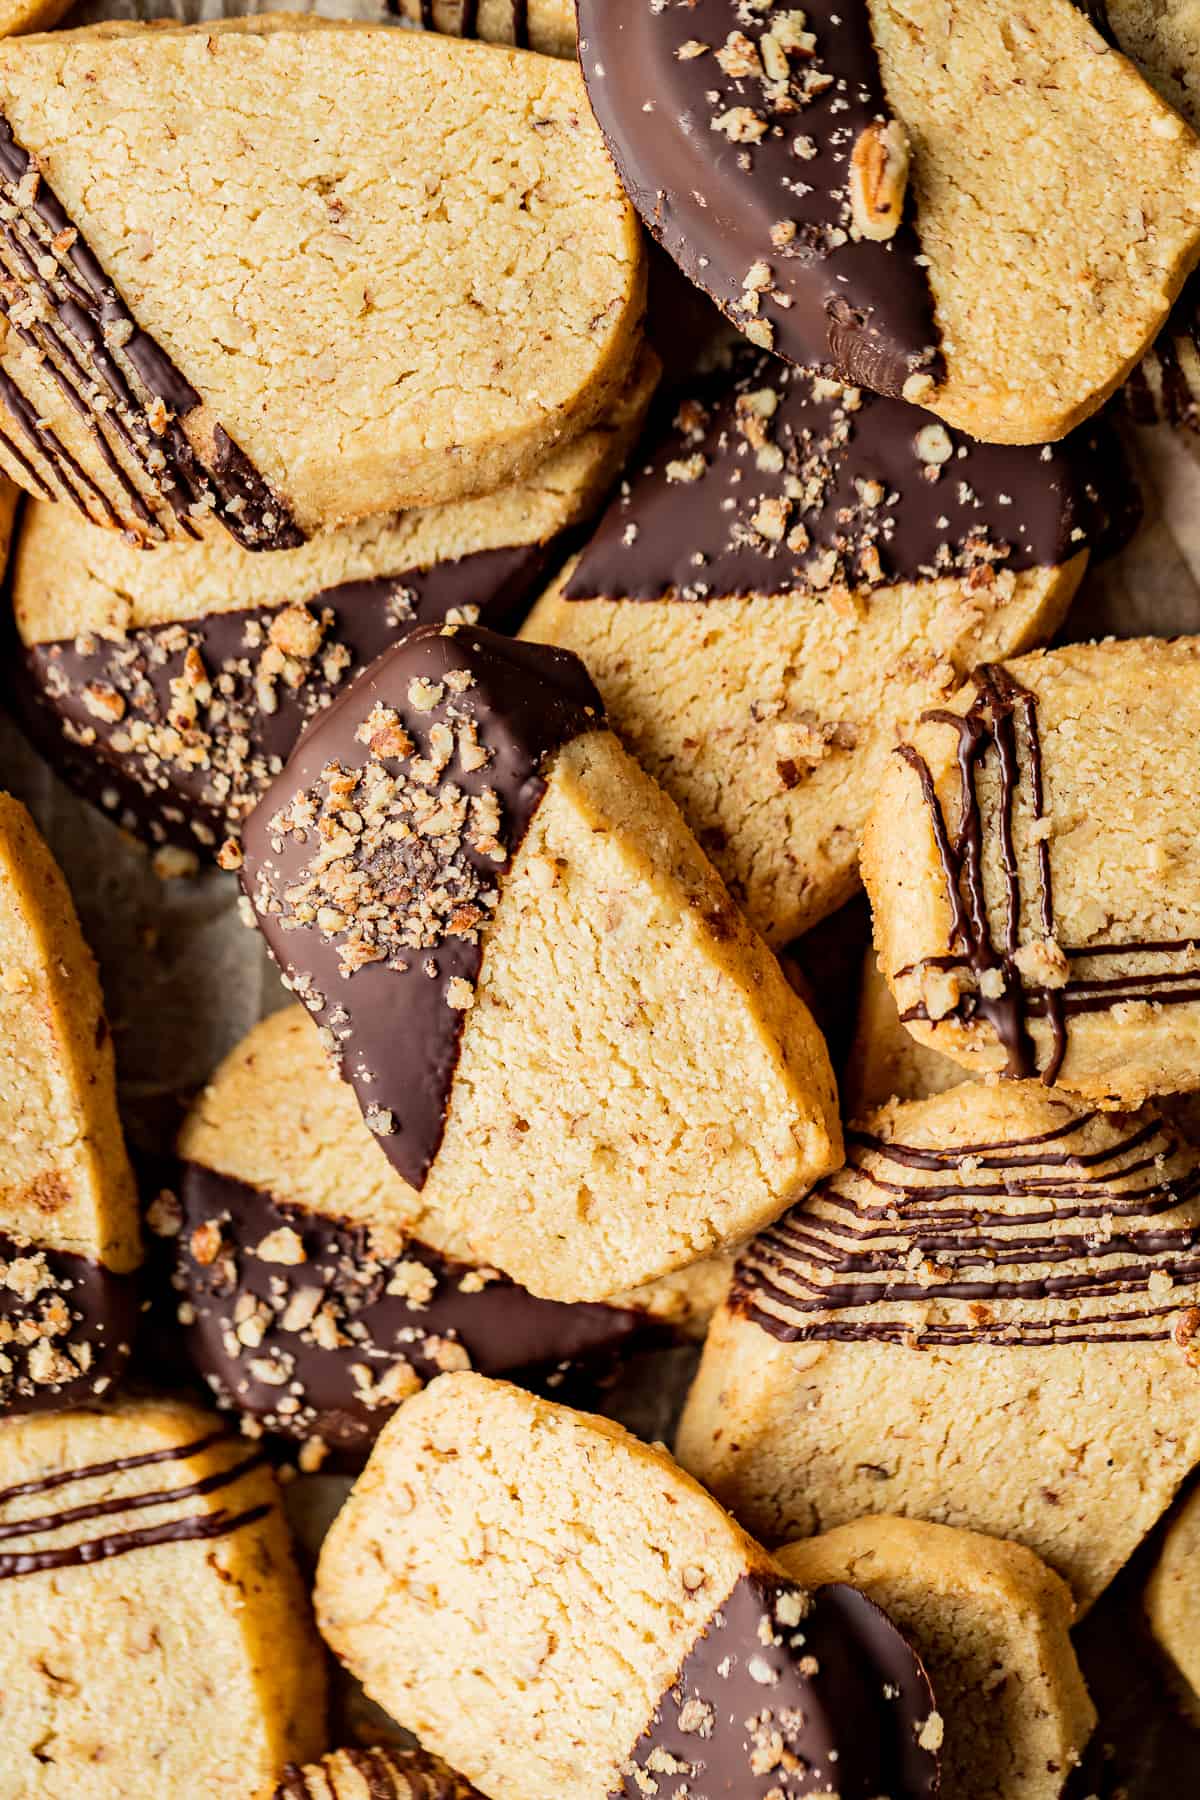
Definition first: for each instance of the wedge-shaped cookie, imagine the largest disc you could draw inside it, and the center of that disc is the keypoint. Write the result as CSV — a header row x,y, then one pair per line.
x,y
986,1318
154,1634
987,213
794,570
1173,1601
373,1774
171,688
293,274
306,1303
886,1062
69,1239
557,1609
1031,865
991,1623
545,25
553,1015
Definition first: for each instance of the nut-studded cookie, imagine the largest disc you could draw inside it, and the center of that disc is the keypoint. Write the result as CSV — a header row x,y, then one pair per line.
x,y
155,1637
987,1318
496,917
988,214
305,1303
371,1774
792,571
1030,861
1173,1600
289,274
557,1609
170,689
886,1062
992,1624
545,25
69,1241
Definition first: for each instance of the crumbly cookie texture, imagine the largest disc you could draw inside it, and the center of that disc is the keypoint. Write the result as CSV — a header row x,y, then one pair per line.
x,y
562,1613
69,1237
303,1301
265,302
557,932
1035,908
156,1636
886,1061
17,16
371,1774
545,25
1173,1601
991,1623
987,1318
793,571
170,689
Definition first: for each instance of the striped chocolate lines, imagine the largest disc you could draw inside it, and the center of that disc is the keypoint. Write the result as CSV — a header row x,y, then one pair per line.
x,y
962,1248
385,1775
468,20
191,1527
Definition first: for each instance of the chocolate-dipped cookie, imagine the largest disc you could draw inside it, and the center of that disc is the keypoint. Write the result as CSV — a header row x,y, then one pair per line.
x,y
155,1637
563,1614
1030,860
545,25
69,1241
792,571
987,1318
989,216
170,689
236,289
305,1303
1173,1601
495,915
371,1774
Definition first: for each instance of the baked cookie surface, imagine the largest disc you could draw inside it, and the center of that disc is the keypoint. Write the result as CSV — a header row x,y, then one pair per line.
x,y
1030,864
1173,1601
372,1774
561,1612
991,1624
155,1634
244,279
69,1238
986,1319
886,1062
461,844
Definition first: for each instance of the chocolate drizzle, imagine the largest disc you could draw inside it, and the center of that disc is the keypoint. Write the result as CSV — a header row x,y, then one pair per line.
x,y
466,24
786,1694
81,1552
386,1774
742,174
346,1333
768,481
177,730
66,1327
120,383
444,741
1087,1234
1000,730
1165,386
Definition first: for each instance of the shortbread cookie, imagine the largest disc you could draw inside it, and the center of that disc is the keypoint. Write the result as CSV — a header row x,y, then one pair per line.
x,y
1173,1600
68,1210
18,16
559,1611
1031,865
794,570
293,274
991,1623
988,214
496,917
374,1774
545,25
171,688
154,1632
886,1062
305,1303
987,1318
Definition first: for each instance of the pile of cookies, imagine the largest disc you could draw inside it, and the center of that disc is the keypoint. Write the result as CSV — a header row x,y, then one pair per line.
x,y
545,508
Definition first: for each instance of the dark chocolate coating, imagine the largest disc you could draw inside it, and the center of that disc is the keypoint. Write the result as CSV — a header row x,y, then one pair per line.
x,y
103,1310
501,1327
859,309
397,1034
202,795
851,1722
991,505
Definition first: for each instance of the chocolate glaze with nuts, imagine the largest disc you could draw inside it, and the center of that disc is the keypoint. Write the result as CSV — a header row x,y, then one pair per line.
x,y
106,713
787,1693
66,1327
388,1322
745,182
451,708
